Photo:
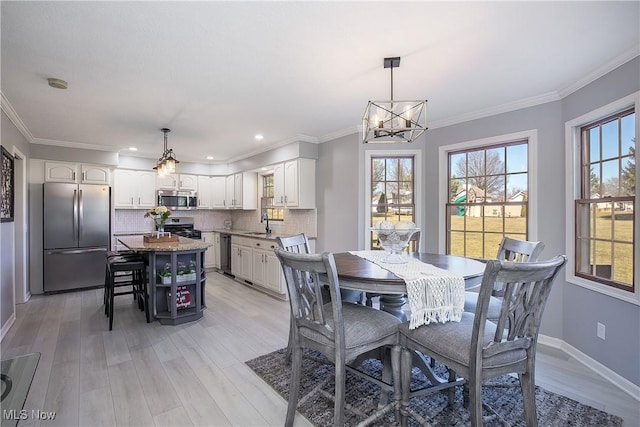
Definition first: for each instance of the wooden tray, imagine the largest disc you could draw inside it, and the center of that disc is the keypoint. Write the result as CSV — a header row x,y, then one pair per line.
x,y
162,239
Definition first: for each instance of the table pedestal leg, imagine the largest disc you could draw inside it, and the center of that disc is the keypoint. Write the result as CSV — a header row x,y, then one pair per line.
x,y
393,304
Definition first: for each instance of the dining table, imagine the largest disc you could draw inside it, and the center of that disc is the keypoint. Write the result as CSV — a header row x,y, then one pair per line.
x,y
359,274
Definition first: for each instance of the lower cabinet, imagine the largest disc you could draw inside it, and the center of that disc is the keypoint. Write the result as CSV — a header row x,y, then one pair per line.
x,y
254,261
212,255
178,291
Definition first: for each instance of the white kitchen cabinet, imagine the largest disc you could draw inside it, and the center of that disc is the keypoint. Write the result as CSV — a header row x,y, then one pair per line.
x,y
267,271
210,254
76,173
134,189
241,191
294,184
241,258
205,192
216,253
218,192
178,182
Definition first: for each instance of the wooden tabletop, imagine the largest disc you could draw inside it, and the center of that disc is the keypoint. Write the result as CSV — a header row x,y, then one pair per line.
x,y
357,273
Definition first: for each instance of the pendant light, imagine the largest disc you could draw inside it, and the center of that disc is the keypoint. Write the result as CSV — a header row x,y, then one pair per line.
x,y
394,121
167,163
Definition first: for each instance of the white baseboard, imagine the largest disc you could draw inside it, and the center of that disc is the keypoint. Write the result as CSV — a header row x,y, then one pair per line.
x,y
616,379
7,325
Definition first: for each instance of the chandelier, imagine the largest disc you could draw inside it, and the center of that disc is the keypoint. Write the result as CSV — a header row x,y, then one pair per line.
x,y
394,121
166,163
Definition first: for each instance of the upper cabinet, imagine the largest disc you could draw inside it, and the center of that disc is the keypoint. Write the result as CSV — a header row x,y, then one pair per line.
x,y
134,189
295,184
76,173
178,182
218,192
241,191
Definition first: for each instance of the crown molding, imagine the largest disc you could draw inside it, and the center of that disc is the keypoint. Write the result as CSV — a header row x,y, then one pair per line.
x,y
70,144
499,109
340,133
616,62
15,119
281,143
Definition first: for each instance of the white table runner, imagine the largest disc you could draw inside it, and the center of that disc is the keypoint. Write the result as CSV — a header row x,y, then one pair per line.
x,y
435,295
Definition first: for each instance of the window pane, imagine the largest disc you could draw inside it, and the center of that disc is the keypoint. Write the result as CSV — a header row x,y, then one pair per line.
x,y
610,180
594,145
456,243
517,158
406,170
628,184
623,263
491,244
628,133
623,222
392,170
457,218
473,245
601,227
457,165
495,188
610,140
495,158
475,163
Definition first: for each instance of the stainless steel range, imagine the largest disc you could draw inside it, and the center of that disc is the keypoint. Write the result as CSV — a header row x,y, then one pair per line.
x,y
182,226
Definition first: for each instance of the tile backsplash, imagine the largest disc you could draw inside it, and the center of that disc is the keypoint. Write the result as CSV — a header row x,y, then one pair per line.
x,y
295,221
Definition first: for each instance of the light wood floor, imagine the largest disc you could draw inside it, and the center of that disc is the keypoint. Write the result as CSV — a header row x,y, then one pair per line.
x,y
143,374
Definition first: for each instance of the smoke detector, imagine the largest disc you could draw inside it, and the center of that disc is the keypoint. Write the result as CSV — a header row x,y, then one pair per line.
x,y
57,83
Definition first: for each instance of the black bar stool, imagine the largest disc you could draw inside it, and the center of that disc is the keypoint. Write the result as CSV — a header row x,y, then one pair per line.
x,y
111,254
126,270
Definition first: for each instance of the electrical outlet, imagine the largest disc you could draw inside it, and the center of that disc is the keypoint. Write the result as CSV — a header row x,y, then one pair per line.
x,y
601,330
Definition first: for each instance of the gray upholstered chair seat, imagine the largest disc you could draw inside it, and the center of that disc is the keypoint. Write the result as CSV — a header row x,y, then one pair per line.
x,y
362,326
453,339
471,302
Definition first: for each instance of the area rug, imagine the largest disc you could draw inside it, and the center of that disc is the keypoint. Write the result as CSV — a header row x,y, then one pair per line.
x,y
503,394
16,376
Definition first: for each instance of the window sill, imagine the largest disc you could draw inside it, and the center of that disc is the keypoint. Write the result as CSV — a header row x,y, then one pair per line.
x,y
633,298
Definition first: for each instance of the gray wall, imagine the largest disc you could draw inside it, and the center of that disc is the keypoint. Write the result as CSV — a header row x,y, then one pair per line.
x,y
10,138
583,308
569,312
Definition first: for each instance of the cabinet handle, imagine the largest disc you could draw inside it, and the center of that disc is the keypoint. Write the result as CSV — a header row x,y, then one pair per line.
x,y
73,174
139,200
132,201
285,199
257,244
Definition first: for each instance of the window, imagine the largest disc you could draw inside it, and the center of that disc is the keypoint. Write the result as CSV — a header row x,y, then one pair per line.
x,y
605,211
266,202
392,191
487,199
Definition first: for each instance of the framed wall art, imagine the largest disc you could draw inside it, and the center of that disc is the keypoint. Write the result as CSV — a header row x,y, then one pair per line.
x,y
6,202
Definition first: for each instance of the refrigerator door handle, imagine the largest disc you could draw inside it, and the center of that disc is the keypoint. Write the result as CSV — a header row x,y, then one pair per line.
x,y
80,215
75,214
76,251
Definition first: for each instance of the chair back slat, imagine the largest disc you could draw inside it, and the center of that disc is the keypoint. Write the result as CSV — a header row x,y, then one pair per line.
x,y
297,243
527,288
519,250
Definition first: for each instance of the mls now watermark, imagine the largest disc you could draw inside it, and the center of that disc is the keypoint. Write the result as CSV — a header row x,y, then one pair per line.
x,y
34,414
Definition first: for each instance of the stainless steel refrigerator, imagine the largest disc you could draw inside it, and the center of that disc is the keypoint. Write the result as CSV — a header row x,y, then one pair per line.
x,y
77,222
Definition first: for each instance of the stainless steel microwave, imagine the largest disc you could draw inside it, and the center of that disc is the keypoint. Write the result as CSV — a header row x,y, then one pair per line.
x,y
178,200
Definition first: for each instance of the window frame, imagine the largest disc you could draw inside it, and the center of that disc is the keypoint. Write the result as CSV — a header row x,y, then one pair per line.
x,y
417,187
573,179
531,136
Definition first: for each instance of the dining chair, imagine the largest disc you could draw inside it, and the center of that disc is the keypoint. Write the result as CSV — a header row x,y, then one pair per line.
x,y
341,332
478,349
510,249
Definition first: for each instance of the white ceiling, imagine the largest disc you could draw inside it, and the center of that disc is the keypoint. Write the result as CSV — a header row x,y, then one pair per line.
x,y
217,73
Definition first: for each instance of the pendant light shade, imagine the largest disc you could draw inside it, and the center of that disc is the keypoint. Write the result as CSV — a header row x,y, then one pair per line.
x,y
167,163
393,121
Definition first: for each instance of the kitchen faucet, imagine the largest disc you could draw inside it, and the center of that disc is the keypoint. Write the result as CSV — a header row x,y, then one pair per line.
x,y
265,217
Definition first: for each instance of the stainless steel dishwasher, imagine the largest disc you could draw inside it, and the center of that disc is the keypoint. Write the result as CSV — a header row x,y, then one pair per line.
x,y
225,253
